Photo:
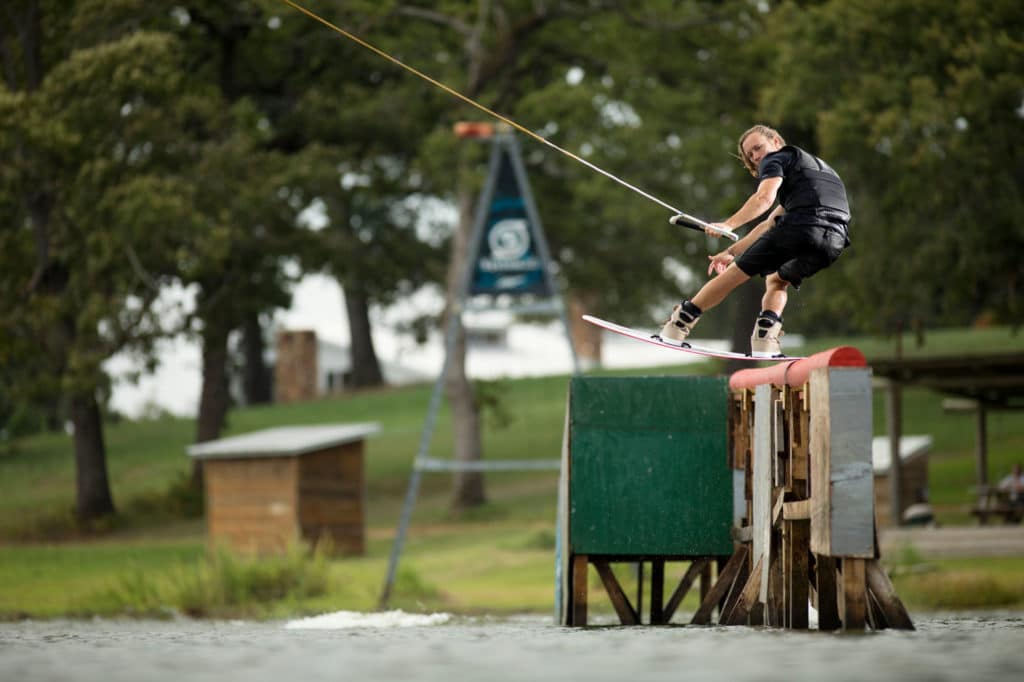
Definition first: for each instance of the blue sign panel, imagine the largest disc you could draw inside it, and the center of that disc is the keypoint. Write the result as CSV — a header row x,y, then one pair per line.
x,y
508,260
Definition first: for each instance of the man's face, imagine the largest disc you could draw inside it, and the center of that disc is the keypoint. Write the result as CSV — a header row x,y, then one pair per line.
x,y
757,146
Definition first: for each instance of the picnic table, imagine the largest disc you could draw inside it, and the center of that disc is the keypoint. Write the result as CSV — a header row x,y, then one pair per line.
x,y
994,501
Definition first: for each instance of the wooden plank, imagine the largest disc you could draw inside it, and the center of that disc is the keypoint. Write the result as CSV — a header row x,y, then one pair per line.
x,y
798,510
761,483
775,606
695,569
742,534
658,592
721,587
799,421
639,591
777,507
796,546
705,581
854,603
875,616
258,512
729,603
827,601
842,510
312,511
627,614
882,590
740,610
579,590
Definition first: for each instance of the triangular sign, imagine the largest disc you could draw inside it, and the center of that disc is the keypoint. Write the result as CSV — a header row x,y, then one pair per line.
x,y
509,258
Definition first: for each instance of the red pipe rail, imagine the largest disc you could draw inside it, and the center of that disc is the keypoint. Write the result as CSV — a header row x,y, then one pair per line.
x,y
797,372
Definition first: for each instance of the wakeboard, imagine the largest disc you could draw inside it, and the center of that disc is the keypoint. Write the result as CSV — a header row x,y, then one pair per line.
x,y
647,337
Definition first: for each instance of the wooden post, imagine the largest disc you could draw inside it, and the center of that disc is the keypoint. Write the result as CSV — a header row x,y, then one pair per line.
x,y
981,445
627,614
894,424
579,589
880,587
842,489
695,569
721,587
763,451
744,604
828,606
705,580
854,594
796,537
657,591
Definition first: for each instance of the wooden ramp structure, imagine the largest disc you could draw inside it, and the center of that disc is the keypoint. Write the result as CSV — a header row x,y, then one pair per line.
x,y
766,478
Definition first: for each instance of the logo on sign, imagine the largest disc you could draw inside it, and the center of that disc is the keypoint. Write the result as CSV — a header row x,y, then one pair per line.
x,y
509,239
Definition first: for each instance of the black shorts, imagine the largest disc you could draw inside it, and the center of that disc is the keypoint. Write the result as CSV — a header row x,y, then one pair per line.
x,y
794,251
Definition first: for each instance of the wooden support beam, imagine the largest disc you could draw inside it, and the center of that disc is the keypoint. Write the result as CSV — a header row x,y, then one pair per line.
x,y
796,537
894,425
695,569
827,601
579,590
842,492
881,589
798,510
775,606
658,592
742,534
705,581
853,609
741,608
639,591
725,580
627,614
729,602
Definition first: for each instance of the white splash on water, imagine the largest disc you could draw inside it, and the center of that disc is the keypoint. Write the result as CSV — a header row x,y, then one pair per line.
x,y
355,619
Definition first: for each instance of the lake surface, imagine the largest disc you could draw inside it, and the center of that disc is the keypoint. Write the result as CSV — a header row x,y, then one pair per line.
x,y
986,646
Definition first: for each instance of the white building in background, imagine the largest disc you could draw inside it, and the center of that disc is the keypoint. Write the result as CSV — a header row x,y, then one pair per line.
x,y
498,347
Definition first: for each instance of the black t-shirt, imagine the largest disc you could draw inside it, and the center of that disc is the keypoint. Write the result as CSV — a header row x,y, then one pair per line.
x,y
776,165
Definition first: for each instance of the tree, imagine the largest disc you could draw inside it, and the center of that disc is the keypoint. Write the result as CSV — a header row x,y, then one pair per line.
x,y
923,125
91,129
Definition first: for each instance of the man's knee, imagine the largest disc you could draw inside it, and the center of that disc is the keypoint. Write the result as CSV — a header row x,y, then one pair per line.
x,y
774,281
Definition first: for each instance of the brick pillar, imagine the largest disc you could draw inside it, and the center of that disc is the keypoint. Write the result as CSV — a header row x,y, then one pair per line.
x,y
296,368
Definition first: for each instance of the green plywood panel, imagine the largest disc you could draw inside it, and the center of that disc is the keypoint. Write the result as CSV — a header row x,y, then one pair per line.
x,y
648,470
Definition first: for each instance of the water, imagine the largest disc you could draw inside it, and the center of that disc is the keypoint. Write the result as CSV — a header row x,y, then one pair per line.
x,y
945,647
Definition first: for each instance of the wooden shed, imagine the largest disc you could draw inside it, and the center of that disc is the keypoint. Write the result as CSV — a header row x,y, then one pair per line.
x,y
913,474
270,489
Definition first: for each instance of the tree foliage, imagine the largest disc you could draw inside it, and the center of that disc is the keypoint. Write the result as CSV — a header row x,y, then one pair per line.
x,y
151,143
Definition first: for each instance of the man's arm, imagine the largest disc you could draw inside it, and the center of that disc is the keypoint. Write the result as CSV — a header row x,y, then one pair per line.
x,y
721,260
758,202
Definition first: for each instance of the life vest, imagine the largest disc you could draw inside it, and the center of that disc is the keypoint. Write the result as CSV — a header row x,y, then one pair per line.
x,y
810,185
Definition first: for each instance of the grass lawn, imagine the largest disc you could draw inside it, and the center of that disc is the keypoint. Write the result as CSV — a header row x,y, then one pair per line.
x,y
498,558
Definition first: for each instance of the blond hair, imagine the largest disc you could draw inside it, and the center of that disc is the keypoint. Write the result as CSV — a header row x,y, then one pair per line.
x,y
770,133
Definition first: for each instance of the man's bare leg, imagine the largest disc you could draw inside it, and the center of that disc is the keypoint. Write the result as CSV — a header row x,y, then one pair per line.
x,y
764,341
717,288
685,315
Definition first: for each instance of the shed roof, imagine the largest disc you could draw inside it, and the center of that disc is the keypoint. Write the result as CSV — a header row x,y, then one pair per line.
x,y
995,379
283,441
911,447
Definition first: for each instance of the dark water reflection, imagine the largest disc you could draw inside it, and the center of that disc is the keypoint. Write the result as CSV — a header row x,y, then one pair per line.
x,y
987,646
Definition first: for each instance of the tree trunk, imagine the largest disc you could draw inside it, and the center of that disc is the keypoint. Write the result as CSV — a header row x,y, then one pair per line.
x,y
586,338
256,377
213,398
468,486
93,487
365,367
